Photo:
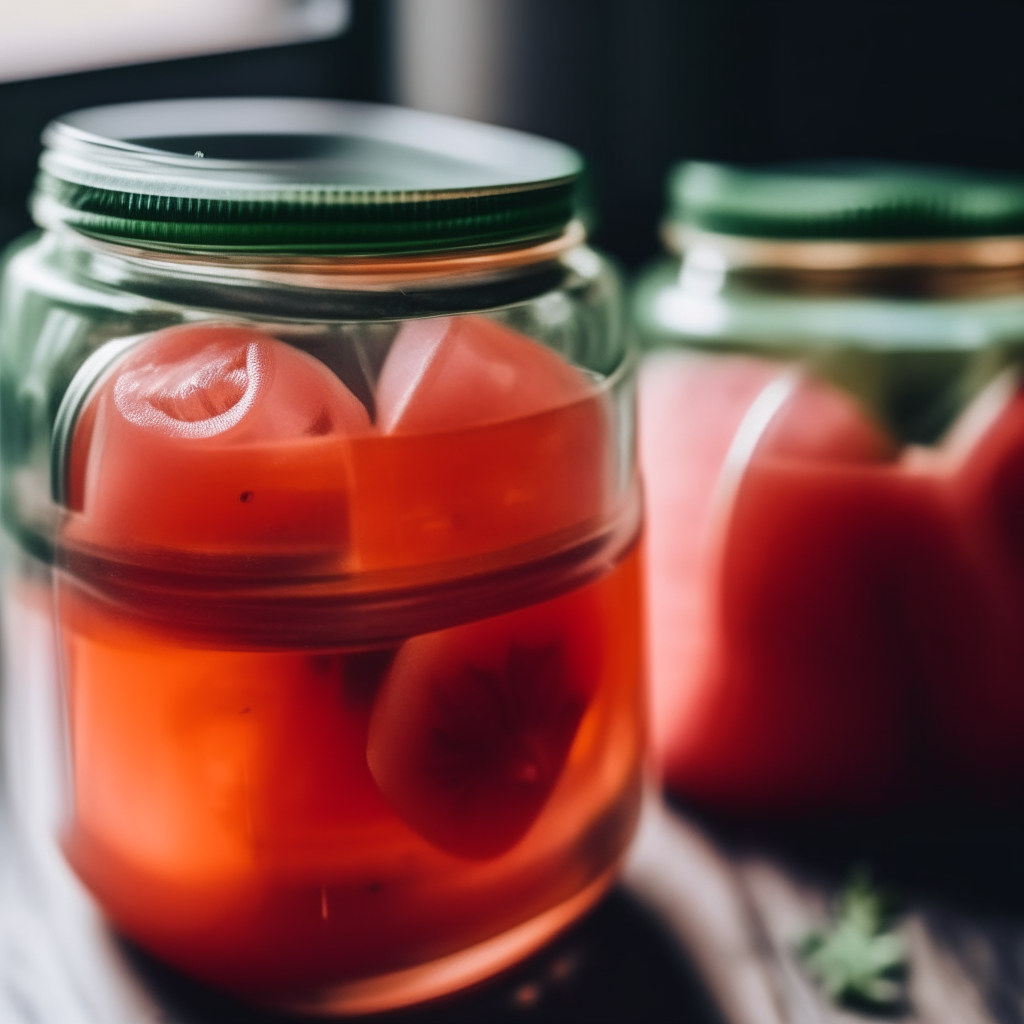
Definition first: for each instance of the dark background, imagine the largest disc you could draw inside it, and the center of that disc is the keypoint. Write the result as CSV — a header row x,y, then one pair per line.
x,y
638,84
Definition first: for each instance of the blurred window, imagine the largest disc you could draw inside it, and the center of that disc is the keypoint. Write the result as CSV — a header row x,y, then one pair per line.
x,y
52,37
454,56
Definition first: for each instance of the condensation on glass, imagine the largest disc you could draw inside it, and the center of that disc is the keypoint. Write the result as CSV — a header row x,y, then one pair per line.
x,y
322,639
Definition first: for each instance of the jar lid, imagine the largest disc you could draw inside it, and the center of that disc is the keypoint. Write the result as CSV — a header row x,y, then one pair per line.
x,y
299,175
850,201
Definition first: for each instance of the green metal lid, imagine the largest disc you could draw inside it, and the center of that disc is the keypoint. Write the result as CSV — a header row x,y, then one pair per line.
x,y
295,176
866,202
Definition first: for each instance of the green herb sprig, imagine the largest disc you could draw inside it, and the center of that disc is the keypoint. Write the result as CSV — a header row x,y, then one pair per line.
x,y
860,962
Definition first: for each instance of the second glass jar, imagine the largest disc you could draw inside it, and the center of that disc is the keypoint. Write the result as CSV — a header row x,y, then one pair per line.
x,y
832,439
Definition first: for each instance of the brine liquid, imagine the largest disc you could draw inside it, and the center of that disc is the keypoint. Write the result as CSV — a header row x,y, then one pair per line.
x,y
285,821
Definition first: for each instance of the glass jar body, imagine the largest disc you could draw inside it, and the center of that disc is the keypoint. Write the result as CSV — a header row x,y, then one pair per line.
x,y
321,597
831,445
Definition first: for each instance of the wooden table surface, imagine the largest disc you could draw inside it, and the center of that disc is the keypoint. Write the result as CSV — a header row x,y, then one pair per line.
x,y
702,930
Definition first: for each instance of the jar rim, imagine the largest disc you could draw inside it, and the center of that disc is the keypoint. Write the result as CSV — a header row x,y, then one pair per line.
x,y
734,252
347,272
282,175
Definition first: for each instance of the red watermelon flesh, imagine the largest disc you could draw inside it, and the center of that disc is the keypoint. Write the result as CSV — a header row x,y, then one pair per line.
x,y
488,440
214,438
472,726
690,407
818,421
449,373
800,702
978,697
986,470
803,703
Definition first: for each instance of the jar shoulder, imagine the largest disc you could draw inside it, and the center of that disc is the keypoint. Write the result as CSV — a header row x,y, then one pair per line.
x,y
672,304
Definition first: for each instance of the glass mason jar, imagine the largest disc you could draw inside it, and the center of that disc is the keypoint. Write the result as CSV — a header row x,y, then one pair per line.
x,y
832,440
321,601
